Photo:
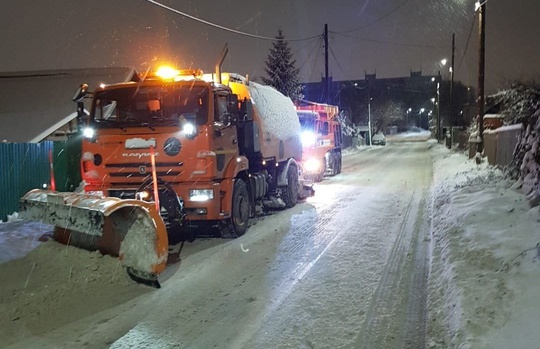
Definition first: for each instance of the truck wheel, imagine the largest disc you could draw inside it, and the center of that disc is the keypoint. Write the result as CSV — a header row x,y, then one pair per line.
x,y
333,164
290,192
339,165
238,223
319,176
240,208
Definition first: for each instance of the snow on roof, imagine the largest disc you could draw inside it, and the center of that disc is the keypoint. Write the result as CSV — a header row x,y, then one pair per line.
x,y
277,112
35,104
505,128
493,116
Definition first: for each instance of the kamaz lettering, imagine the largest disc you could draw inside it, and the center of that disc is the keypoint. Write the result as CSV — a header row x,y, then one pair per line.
x,y
138,155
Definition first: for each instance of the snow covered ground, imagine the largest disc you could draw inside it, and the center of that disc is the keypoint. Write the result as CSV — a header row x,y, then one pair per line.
x,y
307,277
485,274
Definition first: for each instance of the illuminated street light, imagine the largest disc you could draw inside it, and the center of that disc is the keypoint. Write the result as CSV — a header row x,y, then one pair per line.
x,y
444,61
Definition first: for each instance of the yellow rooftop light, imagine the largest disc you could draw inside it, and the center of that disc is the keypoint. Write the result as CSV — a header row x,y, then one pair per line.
x,y
166,72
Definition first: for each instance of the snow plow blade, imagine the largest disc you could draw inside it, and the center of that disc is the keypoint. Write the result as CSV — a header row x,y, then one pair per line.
x,y
130,229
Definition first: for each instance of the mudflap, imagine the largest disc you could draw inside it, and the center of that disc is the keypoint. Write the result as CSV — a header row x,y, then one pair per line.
x,y
130,229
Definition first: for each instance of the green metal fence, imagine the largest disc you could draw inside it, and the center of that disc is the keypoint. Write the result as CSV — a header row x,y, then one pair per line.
x,y
26,166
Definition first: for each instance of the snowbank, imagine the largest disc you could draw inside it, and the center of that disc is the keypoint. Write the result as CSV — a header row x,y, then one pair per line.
x,y
277,112
484,280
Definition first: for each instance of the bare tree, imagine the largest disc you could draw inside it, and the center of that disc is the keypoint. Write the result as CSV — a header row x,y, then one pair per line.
x,y
387,114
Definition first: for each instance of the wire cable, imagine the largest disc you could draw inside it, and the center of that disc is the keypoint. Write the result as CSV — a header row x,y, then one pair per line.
x,y
389,42
468,39
222,27
377,20
310,53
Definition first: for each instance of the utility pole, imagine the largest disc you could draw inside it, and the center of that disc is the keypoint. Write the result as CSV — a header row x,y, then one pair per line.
x,y
439,107
326,80
481,70
452,115
369,112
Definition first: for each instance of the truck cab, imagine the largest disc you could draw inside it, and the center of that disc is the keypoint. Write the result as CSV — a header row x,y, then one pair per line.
x,y
321,139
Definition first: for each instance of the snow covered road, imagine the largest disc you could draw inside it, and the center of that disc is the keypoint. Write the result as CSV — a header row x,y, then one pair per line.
x,y
347,269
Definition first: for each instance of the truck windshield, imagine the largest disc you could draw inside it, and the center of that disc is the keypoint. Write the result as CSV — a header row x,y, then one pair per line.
x,y
150,106
307,121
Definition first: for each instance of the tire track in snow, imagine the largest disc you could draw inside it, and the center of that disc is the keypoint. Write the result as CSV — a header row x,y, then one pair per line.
x,y
396,314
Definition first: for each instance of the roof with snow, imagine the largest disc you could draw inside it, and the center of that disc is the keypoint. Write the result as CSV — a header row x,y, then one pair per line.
x,y
34,104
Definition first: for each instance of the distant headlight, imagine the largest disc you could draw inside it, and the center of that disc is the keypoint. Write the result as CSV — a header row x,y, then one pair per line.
x,y
201,194
89,133
308,138
312,165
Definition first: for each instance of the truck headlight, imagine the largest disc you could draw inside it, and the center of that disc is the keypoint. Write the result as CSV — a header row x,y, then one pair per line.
x,y
143,195
312,165
95,193
89,133
201,194
308,138
189,130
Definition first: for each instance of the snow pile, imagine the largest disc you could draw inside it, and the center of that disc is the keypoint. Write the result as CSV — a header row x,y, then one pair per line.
x,y
485,275
277,112
528,153
139,245
14,217
520,104
54,285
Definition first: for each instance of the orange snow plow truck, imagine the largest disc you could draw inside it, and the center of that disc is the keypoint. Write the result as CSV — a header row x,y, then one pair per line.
x,y
171,154
321,139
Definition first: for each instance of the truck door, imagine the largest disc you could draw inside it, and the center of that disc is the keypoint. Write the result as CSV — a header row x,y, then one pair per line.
x,y
225,140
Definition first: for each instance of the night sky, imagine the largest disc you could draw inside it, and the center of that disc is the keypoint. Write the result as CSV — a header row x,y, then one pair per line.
x,y
396,36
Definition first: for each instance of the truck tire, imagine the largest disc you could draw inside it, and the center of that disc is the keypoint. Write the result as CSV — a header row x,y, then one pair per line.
x,y
319,177
339,164
289,194
237,225
333,164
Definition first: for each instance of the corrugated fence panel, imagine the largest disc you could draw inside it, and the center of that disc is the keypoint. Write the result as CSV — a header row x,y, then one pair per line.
x,y
66,162
23,166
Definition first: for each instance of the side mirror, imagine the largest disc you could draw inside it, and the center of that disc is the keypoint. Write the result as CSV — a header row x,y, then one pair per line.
x,y
233,110
80,93
78,98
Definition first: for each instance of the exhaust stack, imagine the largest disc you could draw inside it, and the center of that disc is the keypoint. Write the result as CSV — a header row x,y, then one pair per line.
x,y
220,62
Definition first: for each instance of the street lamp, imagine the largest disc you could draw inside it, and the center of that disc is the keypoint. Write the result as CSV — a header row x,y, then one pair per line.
x,y
421,111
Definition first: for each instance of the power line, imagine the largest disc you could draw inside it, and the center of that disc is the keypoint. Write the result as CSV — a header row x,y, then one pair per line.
x,y
377,20
468,39
337,62
389,42
306,45
317,45
222,27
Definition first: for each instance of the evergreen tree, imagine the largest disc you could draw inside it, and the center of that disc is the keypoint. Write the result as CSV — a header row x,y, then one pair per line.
x,y
281,70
